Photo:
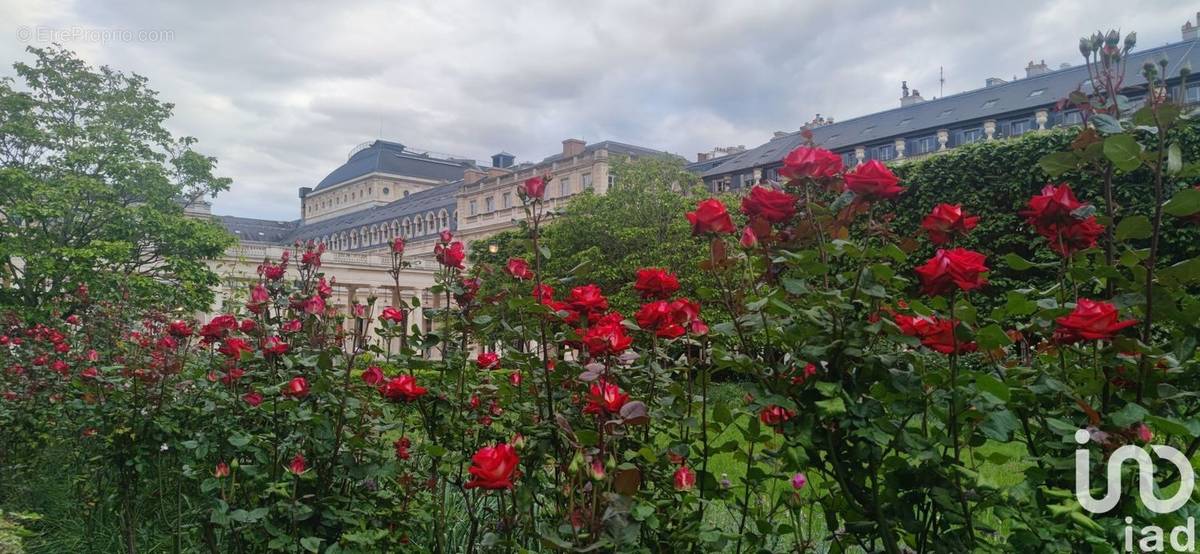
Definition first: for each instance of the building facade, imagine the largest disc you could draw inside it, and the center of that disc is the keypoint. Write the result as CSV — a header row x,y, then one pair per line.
x,y
920,128
386,190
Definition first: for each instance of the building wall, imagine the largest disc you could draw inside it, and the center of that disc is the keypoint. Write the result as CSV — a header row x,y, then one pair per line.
x,y
364,192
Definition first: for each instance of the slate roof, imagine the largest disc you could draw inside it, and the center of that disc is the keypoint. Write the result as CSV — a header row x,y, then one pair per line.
x,y
955,111
430,200
391,157
258,230
613,147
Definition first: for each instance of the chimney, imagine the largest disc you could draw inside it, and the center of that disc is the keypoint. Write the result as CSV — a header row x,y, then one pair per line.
x,y
907,99
1191,31
573,147
1034,69
994,81
702,156
305,191
473,175
503,159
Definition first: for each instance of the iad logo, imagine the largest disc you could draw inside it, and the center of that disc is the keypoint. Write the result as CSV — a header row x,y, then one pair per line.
x,y
1152,535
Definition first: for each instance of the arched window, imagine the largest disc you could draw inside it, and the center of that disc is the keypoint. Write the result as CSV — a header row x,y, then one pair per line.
x,y
395,227
407,228
417,227
429,223
443,220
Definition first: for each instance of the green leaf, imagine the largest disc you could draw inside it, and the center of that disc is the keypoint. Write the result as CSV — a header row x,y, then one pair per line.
x,y
1057,163
311,544
833,406
1106,123
1021,264
1171,426
991,385
1185,202
1134,227
239,440
999,424
1123,151
1128,415
992,336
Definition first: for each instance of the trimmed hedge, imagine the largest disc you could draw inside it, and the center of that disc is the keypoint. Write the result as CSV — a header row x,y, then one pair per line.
x,y
996,179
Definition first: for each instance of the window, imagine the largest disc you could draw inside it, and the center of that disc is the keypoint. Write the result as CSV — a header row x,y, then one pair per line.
x,y
1072,117
1037,92
471,209
904,121
489,204
406,193
506,200
849,159
386,191
945,113
990,103
720,185
967,136
747,180
885,152
868,130
1019,127
564,186
611,180
1192,94
923,145
587,180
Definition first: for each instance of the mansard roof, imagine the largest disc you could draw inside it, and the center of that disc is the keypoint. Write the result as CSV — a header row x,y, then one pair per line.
x,y
384,156
258,230
430,200
957,110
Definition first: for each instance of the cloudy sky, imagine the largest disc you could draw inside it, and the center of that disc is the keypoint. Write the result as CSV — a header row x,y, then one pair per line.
x,y
279,92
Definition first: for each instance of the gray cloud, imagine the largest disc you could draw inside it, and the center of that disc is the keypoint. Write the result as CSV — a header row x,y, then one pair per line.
x,y
280,91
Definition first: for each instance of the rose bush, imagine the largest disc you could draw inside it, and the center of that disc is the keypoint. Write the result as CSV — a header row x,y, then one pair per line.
x,y
816,394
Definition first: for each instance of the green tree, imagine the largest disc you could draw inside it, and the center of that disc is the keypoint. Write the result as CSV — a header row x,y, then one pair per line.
x,y
604,239
92,189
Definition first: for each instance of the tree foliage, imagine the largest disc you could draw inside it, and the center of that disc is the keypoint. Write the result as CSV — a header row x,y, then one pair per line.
x,y
92,189
605,239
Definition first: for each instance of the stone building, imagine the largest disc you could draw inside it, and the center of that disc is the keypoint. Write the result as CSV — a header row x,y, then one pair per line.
x,y
920,127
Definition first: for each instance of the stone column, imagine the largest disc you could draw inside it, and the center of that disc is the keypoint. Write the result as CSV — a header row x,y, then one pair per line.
x,y
989,129
899,144
943,138
1041,117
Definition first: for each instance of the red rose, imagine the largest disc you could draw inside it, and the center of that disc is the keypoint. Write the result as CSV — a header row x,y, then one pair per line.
x,y
588,299
873,181
652,314
543,293
292,326
297,387
392,314
775,415
935,333
234,347
534,187
947,222
403,388
606,338
312,255
749,239
710,217
274,346
373,375
298,465
253,399
1054,206
774,206
653,282
398,245
1091,320
487,360
401,445
519,269
90,373
470,287
314,305
814,163
950,268
1068,239
452,255
685,478
493,467
179,328
605,398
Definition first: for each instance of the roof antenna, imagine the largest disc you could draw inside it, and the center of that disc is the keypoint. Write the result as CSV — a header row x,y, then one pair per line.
x,y
941,82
